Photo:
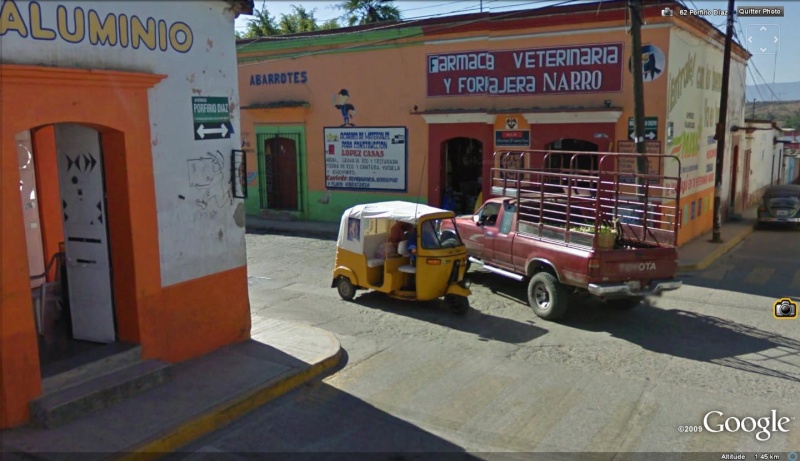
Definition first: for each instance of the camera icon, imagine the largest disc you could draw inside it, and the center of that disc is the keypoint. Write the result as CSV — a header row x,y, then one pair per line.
x,y
666,12
785,309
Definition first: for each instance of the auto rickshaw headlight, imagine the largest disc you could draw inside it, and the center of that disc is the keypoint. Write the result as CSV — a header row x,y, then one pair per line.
x,y
435,262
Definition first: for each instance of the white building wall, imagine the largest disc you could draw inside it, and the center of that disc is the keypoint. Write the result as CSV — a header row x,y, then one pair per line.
x,y
764,160
201,227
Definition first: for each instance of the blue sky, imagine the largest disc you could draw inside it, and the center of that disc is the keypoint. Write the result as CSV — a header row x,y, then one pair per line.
x,y
762,69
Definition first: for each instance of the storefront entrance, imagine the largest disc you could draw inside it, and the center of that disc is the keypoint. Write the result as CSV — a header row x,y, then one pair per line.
x,y
463,165
63,192
68,122
278,156
582,162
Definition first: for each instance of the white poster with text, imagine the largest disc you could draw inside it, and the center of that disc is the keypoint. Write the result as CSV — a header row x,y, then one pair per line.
x,y
366,158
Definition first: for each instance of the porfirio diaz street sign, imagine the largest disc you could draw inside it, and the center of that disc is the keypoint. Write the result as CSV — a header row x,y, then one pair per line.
x,y
211,117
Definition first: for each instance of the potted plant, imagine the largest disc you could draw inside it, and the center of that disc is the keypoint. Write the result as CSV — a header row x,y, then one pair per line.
x,y
607,235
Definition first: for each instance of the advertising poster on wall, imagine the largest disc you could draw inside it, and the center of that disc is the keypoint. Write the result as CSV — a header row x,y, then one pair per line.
x,y
366,158
627,165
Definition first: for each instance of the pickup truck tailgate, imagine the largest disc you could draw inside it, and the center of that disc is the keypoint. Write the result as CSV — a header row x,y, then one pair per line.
x,y
629,264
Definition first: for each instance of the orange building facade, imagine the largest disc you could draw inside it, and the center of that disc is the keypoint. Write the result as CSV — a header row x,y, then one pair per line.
x,y
414,111
103,172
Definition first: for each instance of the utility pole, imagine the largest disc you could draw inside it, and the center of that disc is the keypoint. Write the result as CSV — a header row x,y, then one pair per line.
x,y
638,87
722,126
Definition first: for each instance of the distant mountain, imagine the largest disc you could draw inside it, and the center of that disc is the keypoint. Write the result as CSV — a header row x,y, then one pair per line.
x,y
781,91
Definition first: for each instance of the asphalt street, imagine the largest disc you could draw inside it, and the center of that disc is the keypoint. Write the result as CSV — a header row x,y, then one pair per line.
x,y
419,379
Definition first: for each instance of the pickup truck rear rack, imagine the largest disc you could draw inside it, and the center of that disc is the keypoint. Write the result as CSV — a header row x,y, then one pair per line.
x,y
572,197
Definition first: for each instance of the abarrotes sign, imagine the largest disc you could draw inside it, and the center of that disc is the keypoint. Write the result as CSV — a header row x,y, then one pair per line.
x,y
211,117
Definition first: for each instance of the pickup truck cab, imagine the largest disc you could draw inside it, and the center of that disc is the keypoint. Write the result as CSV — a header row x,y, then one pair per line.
x,y
537,230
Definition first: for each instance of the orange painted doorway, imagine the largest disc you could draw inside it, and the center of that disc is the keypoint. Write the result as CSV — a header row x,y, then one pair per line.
x,y
115,104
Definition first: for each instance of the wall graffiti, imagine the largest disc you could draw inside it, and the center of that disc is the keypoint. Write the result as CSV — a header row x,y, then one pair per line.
x,y
207,177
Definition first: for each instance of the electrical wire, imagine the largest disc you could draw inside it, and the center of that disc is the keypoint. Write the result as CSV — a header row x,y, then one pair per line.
x,y
755,67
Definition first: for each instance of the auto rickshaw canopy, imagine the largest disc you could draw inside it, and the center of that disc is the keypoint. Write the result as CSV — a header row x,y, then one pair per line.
x,y
352,229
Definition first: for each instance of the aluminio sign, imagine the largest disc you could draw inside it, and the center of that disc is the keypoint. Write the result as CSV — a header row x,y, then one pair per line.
x,y
371,158
570,69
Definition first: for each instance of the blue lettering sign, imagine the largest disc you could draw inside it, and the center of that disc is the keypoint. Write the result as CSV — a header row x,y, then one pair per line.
x,y
282,78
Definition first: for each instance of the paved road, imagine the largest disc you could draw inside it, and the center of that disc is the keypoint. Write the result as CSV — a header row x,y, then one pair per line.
x,y
420,379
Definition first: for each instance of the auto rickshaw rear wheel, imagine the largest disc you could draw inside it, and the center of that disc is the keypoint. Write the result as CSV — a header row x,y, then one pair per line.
x,y
457,304
345,288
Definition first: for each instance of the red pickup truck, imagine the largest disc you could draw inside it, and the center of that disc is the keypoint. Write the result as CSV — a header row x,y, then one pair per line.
x,y
579,222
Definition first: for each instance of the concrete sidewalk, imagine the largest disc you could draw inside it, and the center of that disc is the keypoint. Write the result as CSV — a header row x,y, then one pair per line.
x,y
204,395
317,229
700,253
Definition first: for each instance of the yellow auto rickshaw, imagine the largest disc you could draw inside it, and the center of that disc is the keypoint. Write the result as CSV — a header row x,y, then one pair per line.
x,y
423,263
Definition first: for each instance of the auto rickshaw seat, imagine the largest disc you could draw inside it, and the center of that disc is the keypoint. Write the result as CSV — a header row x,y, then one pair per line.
x,y
371,245
408,269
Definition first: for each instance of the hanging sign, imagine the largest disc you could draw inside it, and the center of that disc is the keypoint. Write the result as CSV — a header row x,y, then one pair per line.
x,y
514,138
366,158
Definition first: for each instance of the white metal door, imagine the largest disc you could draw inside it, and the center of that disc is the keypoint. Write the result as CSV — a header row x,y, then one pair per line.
x,y
80,171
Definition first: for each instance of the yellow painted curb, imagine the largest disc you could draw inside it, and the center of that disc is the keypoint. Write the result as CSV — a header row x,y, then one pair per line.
x,y
225,413
721,250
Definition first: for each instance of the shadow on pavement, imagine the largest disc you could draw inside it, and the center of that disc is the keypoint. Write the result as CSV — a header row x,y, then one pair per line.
x,y
674,332
694,336
486,326
320,422
730,271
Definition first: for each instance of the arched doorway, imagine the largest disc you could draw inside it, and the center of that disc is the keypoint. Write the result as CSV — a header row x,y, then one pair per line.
x,y
462,160
65,213
581,162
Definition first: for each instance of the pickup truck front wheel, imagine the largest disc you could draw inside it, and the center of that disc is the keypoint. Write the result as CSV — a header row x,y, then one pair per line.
x,y
547,296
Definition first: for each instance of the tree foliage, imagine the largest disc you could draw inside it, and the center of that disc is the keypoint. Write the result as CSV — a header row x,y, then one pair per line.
x,y
300,20
261,25
360,12
357,12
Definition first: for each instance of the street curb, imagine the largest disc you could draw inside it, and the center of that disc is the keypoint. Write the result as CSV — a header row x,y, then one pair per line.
x,y
228,412
279,230
721,250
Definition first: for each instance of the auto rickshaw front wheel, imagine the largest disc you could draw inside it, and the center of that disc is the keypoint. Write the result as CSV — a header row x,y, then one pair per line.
x,y
345,288
457,304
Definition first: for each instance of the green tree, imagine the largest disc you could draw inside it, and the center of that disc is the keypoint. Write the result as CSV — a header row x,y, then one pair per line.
x,y
301,20
330,24
261,25
360,12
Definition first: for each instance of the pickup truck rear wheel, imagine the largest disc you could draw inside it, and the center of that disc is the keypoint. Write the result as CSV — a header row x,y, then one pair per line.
x,y
547,296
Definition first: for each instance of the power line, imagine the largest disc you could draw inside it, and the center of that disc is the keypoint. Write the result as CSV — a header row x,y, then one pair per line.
x,y
755,67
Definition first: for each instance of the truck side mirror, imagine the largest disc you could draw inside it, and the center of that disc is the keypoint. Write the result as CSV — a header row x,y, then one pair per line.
x,y
477,219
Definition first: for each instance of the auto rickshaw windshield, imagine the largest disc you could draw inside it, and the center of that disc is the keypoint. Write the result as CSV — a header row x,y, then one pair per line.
x,y
434,238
